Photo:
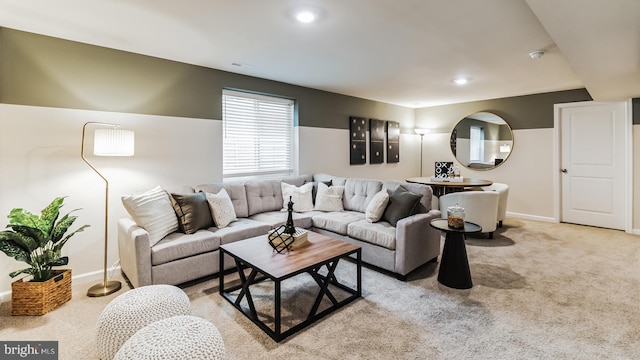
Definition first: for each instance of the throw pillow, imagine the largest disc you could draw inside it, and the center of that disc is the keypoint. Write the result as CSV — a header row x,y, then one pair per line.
x,y
221,208
329,198
301,197
152,211
402,203
314,190
376,207
193,212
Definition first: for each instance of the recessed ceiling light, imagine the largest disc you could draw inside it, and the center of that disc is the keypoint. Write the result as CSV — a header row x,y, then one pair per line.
x,y
536,54
306,16
461,81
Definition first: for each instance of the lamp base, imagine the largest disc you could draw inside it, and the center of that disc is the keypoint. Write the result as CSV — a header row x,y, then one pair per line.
x,y
103,289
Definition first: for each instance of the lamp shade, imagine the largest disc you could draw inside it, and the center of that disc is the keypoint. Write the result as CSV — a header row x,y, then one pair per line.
x,y
113,142
505,148
421,131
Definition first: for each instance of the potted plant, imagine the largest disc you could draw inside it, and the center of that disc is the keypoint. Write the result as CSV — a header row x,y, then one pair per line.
x,y
38,240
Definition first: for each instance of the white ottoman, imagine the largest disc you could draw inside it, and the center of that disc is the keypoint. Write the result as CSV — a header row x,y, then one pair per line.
x,y
179,337
135,309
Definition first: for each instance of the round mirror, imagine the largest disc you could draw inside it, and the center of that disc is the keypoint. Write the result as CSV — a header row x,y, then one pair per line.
x,y
481,141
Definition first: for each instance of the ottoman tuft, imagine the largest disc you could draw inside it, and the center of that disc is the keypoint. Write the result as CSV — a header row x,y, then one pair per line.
x,y
135,309
179,337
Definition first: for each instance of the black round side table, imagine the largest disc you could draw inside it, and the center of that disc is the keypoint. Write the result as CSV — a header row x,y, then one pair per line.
x,y
454,265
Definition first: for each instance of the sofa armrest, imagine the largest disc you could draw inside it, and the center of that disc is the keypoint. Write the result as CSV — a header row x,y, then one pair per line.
x,y
135,252
416,241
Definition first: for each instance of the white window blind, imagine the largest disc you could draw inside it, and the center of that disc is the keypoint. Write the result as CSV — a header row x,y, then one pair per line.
x,y
476,143
258,135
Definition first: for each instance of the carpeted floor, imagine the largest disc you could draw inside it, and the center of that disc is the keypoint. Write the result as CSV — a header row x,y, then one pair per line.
x,y
541,291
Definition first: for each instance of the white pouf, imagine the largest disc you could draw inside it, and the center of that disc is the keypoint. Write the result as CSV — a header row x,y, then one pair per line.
x,y
134,310
179,337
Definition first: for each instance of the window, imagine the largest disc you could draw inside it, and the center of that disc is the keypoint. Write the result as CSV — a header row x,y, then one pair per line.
x,y
476,144
257,135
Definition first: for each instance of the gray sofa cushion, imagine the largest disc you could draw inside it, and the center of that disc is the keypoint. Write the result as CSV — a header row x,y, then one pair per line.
x,y
239,230
266,195
359,192
337,181
263,196
380,233
236,192
178,245
277,218
336,221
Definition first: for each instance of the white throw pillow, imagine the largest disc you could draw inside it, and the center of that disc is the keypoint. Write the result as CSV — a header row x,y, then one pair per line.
x,y
152,210
329,198
301,197
376,207
221,208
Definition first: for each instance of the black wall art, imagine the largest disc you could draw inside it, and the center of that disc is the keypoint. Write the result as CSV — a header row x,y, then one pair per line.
x,y
357,140
376,141
393,142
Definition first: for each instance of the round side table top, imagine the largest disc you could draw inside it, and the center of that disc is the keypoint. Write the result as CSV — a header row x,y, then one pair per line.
x,y
442,224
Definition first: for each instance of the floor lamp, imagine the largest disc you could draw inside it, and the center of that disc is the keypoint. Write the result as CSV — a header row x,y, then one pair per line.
x,y
107,142
421,132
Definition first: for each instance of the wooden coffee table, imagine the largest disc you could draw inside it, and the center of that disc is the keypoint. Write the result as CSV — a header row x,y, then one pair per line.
x,y
265,264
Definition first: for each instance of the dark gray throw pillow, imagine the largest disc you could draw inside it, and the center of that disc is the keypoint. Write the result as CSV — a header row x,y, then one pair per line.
x,y
402,203
314,190
193,212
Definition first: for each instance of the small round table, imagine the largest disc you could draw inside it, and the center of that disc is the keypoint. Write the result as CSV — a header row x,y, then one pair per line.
x,y
454,265
445,186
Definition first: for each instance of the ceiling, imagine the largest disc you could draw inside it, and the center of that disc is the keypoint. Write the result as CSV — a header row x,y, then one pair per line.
x,y
404,52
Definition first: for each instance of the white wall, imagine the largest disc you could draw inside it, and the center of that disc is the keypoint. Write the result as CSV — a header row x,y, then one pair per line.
x,y
40,160
528,171
327,150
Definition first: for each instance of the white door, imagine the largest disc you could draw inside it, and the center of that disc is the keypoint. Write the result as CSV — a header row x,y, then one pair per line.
x,y
593,164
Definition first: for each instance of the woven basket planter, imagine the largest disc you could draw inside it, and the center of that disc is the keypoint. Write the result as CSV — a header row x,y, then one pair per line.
x,y
38,298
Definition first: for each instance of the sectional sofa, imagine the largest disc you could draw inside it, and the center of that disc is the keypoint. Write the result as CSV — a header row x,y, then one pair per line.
x,y
396,243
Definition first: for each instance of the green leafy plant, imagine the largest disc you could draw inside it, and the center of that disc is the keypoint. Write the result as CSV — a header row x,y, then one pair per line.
x,y
38,240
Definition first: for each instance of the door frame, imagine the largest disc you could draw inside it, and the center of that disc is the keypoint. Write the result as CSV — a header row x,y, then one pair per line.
x,y
557,159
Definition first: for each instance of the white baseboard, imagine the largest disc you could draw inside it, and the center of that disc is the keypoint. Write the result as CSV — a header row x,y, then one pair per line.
x,y
81,279
635,231
531,217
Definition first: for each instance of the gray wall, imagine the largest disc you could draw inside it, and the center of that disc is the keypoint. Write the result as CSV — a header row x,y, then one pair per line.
x,y
44,71
520,112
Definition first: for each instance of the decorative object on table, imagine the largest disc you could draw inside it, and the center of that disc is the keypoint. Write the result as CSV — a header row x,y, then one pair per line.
x,y
107,142
443,169
393,142
455,216
286,237
38,241
376,141
422,133
357,140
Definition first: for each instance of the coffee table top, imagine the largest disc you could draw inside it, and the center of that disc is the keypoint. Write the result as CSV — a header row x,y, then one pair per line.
x,y
257,252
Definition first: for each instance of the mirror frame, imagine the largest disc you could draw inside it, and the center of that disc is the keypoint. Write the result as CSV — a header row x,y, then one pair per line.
x,y
494,118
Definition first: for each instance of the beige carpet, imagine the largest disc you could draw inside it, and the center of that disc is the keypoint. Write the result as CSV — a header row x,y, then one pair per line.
x,y
541,291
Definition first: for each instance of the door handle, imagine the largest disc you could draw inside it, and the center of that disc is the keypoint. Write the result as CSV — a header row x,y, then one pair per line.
x,y
564,170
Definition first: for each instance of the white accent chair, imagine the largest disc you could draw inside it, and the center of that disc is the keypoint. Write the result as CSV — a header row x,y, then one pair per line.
x,y
503,191
480,207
